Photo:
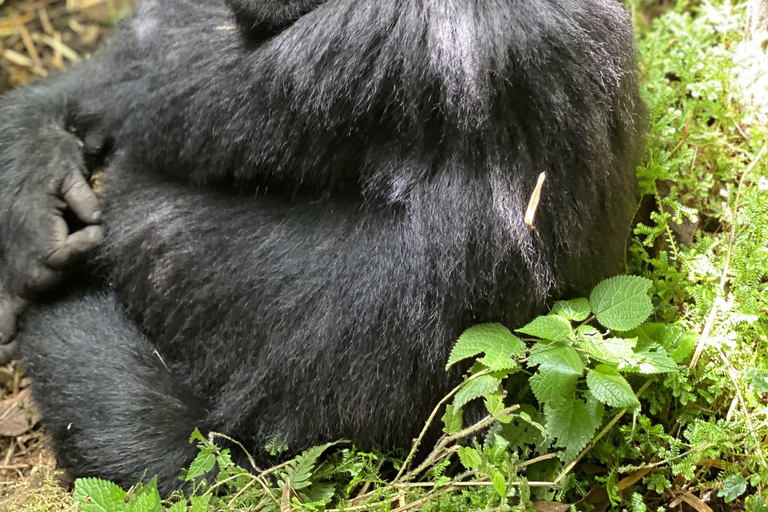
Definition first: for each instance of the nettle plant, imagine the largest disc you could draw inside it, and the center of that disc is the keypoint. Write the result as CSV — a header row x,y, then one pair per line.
x,y
579,359
582,353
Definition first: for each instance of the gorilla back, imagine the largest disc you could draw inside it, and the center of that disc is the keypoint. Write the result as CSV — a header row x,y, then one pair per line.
x,y
301,222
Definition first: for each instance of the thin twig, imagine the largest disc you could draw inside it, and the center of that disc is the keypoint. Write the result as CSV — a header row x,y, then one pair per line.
x,y
431,418
212,435
455,437
726,266
732,375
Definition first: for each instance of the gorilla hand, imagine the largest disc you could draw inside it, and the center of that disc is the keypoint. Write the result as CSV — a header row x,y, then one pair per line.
x,y
49,213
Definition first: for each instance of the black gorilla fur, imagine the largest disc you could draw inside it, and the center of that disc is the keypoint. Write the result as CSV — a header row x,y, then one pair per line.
x,y
302,221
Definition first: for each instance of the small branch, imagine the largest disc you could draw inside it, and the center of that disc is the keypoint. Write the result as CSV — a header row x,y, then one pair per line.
x,y
213,435
455,437
732,375
726,266
431,418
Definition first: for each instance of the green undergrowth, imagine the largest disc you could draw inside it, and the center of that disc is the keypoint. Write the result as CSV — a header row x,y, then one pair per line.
x,y
649,393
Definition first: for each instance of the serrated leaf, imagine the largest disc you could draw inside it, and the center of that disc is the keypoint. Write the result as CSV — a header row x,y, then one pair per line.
x,y
224,460
104,496
650,358
550,385
572,425
595,408
575,310
202,464
494,340
622,303
481,386
618,351
453,419
556,357
147,499
200,503
520,431
499,482
196,436
609,387
145,503
179,506
550,327
470,458
733,487
494,404
678,342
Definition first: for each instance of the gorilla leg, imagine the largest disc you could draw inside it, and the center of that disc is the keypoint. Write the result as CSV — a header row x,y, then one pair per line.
x,y
112,407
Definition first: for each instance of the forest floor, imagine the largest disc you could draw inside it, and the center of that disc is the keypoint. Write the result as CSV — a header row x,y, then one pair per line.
x,y
40,37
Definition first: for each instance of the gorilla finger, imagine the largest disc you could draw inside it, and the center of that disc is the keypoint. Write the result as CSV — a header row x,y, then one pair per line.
x,y
9,352
76,245
7,322
80,198
41,279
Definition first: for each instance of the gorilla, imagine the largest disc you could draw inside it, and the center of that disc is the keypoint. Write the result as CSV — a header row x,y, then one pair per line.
x,y
303,203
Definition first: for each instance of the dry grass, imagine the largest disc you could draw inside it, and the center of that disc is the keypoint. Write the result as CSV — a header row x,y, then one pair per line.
x,y
41,37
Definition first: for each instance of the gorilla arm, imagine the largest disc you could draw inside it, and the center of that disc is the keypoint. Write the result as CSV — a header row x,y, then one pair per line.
x,y
51,130
43,174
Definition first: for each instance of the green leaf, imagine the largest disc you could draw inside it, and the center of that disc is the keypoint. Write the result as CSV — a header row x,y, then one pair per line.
x,y
649,358
618,351
498,449
556,357
470,458
609,387
202,464
499,482
224,460
759,379
320,492
595,408
522,430
622,303
104,496
494,404
494,340
200,503
733,487
196,436
179,506
685,346
453,419
481,386
300,473
572,423
550,327
550,385
678,342
575,310
559,369
147,499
